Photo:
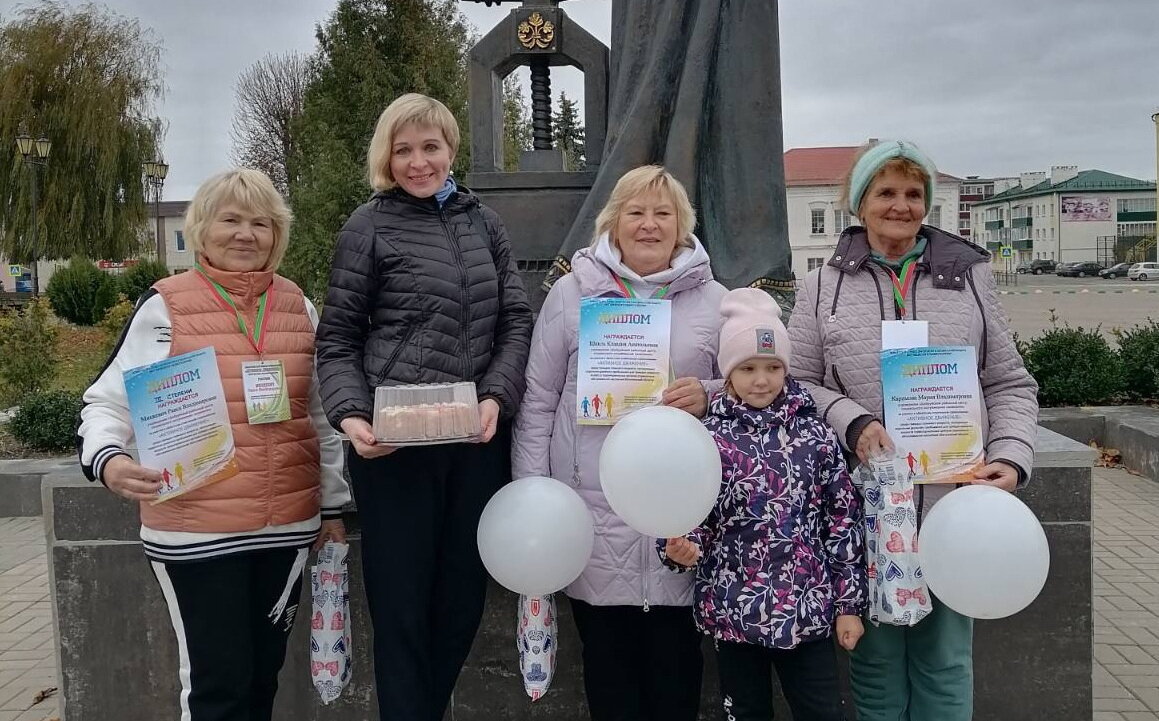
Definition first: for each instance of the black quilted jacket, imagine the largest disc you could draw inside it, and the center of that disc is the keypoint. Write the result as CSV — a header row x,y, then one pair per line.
x,y
420,294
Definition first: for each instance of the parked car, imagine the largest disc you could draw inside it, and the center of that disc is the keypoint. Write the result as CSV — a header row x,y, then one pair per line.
x,y
1039,266
1081,269
1118,270
1022,268
1058,269
1144,271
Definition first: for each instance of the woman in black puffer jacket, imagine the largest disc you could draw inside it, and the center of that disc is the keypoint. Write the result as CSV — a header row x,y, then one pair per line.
x,y
423,289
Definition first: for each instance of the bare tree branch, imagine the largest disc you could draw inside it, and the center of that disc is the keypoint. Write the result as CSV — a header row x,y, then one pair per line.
x,y
269,97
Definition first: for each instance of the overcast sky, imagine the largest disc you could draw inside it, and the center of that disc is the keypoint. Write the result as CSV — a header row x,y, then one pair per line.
x,y
990,87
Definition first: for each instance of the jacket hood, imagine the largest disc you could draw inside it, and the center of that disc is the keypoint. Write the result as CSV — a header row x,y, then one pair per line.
x,y
595,267
947,258
794,400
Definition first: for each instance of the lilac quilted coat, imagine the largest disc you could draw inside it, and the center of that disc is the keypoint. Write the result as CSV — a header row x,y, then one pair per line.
x,y
783,550
836,332
624,569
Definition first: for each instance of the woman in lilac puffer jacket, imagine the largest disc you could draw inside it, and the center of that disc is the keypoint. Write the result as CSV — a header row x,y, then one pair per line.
x,y
641,651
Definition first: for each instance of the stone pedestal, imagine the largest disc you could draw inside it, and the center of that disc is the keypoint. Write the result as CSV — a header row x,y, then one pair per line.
x,y
117,653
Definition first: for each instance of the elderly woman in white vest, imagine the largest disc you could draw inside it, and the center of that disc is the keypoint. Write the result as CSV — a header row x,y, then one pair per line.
x,y
229,554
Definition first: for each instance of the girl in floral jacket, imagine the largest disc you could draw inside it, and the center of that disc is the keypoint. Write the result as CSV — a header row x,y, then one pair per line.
x,y
779,560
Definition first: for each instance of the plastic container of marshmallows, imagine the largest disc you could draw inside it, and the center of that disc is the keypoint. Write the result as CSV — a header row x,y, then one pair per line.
x,y
426,414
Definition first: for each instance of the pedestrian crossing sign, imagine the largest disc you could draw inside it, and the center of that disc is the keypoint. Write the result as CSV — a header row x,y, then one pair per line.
x,y
15,270
1007,251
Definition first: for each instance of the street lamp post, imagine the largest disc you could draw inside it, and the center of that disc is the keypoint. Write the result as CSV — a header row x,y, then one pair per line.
x,y
1155,119
155,172
35,153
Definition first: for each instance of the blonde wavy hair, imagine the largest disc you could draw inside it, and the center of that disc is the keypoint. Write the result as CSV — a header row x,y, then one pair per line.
x,y
637,182
249,189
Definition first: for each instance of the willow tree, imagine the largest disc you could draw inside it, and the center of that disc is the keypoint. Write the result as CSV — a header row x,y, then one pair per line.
x,y
86,79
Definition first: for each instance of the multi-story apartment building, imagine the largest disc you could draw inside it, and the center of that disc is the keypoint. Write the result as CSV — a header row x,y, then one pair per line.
x,y
975,190
1068,215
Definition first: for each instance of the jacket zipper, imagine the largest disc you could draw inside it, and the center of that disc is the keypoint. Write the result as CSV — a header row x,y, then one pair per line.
x,y
982,312
575,474
837,380
389,365
914,294
464,298
836,295
644,576
269,444
881,297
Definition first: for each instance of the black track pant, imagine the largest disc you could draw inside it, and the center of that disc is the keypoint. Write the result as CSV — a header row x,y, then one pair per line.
x,y
231,633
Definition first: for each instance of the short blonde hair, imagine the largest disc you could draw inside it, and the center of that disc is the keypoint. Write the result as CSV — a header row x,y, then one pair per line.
x,y
409,109
635,183
254,192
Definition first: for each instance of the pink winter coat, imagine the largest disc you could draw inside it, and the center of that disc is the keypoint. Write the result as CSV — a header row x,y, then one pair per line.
x,y
624,568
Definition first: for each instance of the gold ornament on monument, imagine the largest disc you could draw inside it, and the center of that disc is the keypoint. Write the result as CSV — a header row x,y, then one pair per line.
x,y
536,33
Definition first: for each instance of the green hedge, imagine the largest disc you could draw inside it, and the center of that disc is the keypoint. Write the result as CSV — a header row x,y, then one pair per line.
x,y
47,421
28,353
139,278
1139,354
1073,367
81,292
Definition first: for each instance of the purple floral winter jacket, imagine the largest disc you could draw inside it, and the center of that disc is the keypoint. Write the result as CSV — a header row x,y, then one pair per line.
x,y
782,551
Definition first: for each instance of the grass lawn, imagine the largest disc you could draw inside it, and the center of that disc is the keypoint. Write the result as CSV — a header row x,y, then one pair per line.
x,y
82,355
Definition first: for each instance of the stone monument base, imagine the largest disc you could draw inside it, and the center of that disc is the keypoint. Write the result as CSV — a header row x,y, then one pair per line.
x,y
117,653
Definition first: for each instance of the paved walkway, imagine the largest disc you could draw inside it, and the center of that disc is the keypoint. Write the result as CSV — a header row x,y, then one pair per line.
x,y
1126,672
27,663
1126,597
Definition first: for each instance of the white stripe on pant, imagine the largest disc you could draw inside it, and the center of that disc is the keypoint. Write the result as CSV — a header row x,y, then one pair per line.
x,y
179,629
232,616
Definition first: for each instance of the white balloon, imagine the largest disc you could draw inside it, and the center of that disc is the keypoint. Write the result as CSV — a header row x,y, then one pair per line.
x,y
535,535
660,471
983,553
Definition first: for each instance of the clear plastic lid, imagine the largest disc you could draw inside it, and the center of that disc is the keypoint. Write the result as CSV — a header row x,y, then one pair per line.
x,y
426,413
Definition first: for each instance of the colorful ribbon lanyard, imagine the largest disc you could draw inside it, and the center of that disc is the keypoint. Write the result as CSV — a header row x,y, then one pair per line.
x,y
629,293
903,283
258,338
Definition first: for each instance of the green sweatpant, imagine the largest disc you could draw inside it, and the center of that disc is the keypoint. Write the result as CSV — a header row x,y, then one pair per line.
x,y
918,673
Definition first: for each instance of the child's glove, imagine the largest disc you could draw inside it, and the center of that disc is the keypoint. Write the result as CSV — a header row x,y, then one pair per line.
x,y
682,551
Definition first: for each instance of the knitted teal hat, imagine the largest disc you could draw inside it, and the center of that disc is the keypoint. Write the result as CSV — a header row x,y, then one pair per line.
x,y
873,159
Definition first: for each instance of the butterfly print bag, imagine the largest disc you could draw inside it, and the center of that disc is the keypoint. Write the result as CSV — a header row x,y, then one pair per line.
x,y
897,591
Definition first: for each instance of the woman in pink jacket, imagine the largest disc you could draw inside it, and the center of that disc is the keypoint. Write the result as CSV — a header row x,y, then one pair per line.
x,y
641,651
895,268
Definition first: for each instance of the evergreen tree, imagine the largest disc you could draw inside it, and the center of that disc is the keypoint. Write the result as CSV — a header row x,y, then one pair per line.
x,y
86,79
568,130
516,123
369,53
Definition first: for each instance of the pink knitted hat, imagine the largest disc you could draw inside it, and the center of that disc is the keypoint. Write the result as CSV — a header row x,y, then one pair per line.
x,y
751,327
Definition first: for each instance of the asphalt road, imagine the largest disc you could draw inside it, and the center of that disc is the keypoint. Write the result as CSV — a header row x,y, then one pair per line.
x,y
1082,302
